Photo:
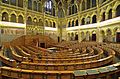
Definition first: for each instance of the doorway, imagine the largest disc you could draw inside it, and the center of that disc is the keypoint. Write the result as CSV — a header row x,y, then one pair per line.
x,y
58,39
93,37
118,37
42,45
76,37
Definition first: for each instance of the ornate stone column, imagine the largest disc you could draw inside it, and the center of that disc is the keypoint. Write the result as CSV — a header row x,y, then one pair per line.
x,y
9,17
106,16
25,5
79,20
16,19
98,36
0,26
79,36
113,13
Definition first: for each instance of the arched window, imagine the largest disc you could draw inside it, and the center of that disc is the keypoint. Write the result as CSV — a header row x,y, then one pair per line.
x,y
93,3
83,5
68,24
5,1
39,7
73,23
35,21
30,4
35,6
20,19
5,17
110,14
29,21
54,25
49,7
83,21
88,4
2,31
70,11
50,24
13,18
40,22
46,23
72,7
75,11
20,3
77,23
13,2
94,19
53,12
60,13
118,11
103,17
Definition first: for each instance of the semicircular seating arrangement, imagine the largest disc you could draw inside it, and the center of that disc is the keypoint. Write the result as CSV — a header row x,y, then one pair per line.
x,y
24,58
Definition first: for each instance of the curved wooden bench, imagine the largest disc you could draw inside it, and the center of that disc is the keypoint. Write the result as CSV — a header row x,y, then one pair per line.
x,y
28,51
16,56
23,52
67,66
34,74
75,60
8,61
80,74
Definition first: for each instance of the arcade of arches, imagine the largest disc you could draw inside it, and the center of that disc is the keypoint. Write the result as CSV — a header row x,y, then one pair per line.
x,y
85,20
59,39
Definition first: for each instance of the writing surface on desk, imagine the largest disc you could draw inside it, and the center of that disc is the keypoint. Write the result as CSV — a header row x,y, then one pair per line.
x,y
92,71
103,70
80,72
111,68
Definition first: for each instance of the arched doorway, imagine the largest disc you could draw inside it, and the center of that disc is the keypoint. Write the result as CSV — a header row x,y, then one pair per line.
x,y
77,23
117,35
94,19
110,14
5,16
29,21
76,36
83,21
93,36
20,19
13,18
118,11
